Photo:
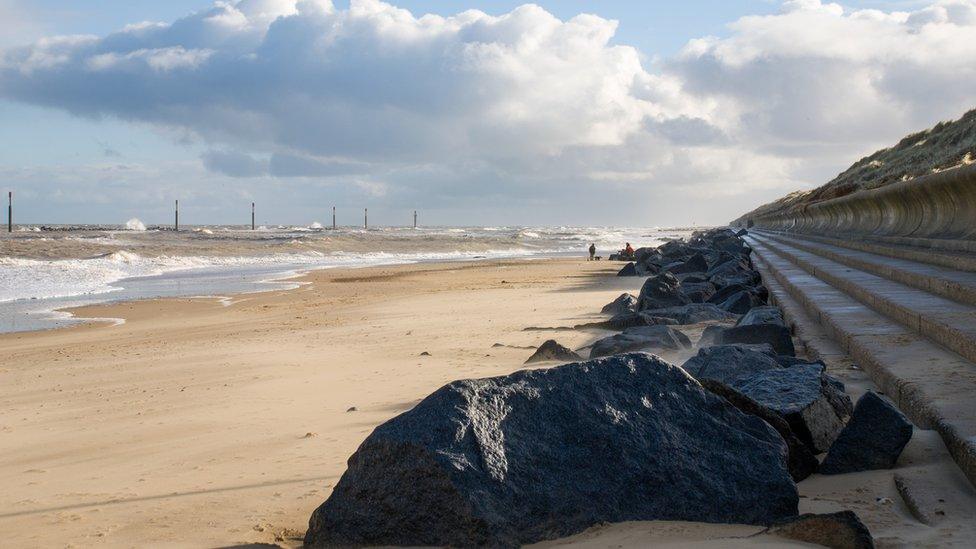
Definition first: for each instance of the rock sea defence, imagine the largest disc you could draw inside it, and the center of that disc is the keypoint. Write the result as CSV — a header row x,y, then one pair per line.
x,y
546,453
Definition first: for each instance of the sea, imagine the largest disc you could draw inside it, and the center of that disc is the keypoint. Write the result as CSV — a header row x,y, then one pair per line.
x,y
45,269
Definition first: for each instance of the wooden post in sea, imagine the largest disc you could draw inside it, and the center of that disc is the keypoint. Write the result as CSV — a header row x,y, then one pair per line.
x,y
10,211
415,219
176,223
252,216
365,218
333,218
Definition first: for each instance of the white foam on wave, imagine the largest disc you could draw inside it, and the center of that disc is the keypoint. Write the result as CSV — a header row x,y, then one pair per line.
x,y
135,224
43,279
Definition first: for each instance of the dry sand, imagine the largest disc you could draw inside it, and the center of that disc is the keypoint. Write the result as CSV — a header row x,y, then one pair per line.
x,y
208,422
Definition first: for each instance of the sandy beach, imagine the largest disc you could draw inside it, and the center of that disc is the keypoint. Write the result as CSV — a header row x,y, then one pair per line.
x,y
220,422
206,422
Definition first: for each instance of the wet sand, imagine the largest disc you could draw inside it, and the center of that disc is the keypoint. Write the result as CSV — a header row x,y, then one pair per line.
x,y
206,423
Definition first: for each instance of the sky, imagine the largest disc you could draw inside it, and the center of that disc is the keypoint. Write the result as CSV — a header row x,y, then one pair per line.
x,y
565,112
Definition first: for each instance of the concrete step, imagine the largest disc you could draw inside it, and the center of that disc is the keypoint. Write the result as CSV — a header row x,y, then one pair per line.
x,y
951,284
960,258
947,322
934,386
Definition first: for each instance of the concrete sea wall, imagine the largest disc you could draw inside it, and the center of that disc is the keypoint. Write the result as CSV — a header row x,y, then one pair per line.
x,y
940,206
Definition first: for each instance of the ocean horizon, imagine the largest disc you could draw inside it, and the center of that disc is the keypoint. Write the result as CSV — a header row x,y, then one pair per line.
x,y
47,268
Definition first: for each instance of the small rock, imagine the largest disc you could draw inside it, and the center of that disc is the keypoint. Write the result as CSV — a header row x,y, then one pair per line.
x,y
710,335
777,336
352,409
623,304
873,438
802,463
630,319
725,292
841,530
694,264
693,313
741,302
310,435
641,338
731,364
804,397
661,291
551,350
628,270
697,292
425,353
765,314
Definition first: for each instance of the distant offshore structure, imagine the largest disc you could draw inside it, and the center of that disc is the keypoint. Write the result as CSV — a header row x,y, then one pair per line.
x,y
176,215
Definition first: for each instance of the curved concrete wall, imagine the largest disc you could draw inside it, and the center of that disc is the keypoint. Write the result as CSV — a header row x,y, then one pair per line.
x,y
936,206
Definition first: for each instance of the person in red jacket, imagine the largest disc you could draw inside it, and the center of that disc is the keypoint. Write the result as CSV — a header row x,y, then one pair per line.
x,y
629,250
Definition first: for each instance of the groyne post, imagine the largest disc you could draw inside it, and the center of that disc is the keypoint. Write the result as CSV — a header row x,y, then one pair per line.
x,y
176,222
333,218
365,218
252,216
10,211
415,219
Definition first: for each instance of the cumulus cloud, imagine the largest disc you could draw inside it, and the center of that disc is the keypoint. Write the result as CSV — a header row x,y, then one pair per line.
x,y
817,75
383,98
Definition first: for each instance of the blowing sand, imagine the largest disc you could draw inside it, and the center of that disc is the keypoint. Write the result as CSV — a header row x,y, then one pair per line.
x,y
209,422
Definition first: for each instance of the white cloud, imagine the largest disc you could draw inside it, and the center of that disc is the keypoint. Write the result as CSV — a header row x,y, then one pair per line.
x,y
523,101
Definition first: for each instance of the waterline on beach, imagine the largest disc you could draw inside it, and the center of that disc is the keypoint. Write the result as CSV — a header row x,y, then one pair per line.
x,y
45,271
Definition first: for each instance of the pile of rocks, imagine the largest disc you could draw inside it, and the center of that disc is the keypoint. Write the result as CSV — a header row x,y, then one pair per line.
x,y
546,453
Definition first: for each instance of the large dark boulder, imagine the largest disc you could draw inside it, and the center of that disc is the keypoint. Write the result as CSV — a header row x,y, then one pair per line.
x,y
730,267
804,398
750,278
766,314
662,290
631,319
693,313
641,338
697,292
774,334
542,454
710,335
723,293
628,270
623,304
690,278
731,364
801,463
733,245
647,269
694,264
842,530
674,249
741,302
644,254
551,350
872,439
